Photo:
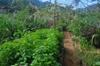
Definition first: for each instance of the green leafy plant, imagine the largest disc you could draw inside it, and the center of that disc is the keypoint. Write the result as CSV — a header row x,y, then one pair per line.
x,y
40,48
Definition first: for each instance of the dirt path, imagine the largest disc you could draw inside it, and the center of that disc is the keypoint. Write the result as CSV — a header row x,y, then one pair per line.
x,y
70,58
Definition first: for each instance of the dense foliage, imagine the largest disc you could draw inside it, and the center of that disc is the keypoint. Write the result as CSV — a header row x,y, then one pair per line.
x,y
40,48
86,29
22,44
13,26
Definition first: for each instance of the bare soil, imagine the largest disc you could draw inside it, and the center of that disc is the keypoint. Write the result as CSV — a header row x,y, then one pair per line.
x,y
70,57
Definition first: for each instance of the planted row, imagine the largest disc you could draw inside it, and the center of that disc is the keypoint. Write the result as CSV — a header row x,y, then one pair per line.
x,y
40,48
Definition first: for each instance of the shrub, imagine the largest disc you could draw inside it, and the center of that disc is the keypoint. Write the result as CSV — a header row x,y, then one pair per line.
x,y
84,26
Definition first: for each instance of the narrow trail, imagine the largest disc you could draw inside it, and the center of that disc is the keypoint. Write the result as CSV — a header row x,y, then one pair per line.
x,y
70,58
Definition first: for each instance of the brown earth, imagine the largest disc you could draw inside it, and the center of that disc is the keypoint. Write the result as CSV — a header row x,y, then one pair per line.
x,y
70,57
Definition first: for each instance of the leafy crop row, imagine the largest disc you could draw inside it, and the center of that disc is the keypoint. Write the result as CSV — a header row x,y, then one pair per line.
x,y
40,48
